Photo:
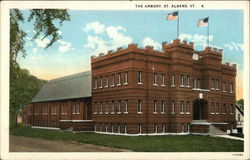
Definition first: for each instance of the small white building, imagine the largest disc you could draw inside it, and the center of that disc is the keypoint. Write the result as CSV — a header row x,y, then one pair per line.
x,y
239,117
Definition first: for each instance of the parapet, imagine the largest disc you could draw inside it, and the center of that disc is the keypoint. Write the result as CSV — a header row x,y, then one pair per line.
x,y
177,43
213,50
230,66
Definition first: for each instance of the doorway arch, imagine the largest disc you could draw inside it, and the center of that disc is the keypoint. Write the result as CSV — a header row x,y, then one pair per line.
x,y
200,109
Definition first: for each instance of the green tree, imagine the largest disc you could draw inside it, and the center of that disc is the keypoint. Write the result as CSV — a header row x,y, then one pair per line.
x,y
47,22
240,103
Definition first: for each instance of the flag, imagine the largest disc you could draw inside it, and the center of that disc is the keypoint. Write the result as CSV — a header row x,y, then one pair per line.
x,y
203,22
172,16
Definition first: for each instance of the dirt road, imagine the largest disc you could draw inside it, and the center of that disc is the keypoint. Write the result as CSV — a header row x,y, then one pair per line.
x,y
27,144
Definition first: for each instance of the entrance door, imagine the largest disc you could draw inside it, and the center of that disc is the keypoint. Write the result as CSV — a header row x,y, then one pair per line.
x,y
199,109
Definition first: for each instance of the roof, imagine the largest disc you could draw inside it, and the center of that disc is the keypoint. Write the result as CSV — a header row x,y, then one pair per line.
x,y
68,87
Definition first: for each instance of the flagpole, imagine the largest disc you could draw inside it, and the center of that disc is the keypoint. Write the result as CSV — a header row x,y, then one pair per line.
x,y
178,21
208,33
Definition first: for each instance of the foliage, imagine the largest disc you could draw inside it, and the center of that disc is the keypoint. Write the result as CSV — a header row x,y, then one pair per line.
x,y
167,143
240,103
24,86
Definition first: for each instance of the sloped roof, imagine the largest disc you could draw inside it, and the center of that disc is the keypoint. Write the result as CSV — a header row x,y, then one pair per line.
x,y
68,87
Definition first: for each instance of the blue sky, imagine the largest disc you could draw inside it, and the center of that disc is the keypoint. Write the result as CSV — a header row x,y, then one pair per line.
x,y
92,32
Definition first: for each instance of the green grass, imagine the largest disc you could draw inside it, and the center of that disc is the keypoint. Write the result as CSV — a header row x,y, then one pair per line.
x,y
167,143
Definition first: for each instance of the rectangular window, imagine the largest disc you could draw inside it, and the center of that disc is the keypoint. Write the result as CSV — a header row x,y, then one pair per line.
x,y
213,107
119,79
139,128
212,84
199,83
155,78
181,107
107,107
155,106
107,81
112,128
139,106
118,128
106,127
100,82
139,80
125,78
95,83
126,106
162,79
188,81
78,109
224,86
113,80
66,109
100,126
224,108
181,80
231,88
217,108
74,109
113,107
217,84
162,106
163,128
173,107
95,108
194,82
119,107
125,128
100,108
187,107
155,128
232,108
62,109
173,80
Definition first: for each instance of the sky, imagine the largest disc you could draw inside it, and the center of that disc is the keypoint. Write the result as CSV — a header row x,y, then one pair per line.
x,y
90,32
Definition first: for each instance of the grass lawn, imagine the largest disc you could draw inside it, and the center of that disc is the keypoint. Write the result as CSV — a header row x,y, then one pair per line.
x,y
167,143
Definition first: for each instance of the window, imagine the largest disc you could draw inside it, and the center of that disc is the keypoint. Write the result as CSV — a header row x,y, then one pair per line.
x,y
155,128
231,88
112,128
224,108
155,78
125,128
62,109
181,107
213,107
224,87
163,128
187,107
212,84
107,107
106,127
113,107
139,106
125,78
100,108
118,128
173,107
155,106
217,84
139,80
126,106
188,81
199,83
162,79
100,126
119,107
119,79
74,109
100,82
162,106
95,83
194,82
78,109
139,128
107,81
217,108
173,80
181,80
232,108
113,80
95,108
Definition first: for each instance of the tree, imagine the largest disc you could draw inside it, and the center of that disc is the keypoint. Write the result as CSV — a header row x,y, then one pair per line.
x,y
24,86
240,103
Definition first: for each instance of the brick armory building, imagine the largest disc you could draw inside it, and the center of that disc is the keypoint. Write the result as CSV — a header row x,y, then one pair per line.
x,y
145,91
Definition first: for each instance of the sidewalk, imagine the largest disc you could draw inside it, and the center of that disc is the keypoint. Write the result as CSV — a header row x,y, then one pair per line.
x,y
230,137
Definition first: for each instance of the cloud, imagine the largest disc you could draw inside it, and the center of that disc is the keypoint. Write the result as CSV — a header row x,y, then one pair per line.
x,y
149,41
96,26
34,50
234,46
64,46
115,38
199,40
42,43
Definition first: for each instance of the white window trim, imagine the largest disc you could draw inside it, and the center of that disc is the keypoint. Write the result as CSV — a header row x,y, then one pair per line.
x,y
155,112
106,112
182,113
140,83
125,112
163,112
188,113
118,112
155,85
125,84
139,113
